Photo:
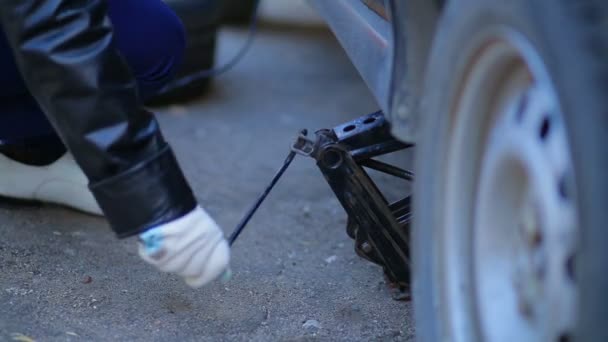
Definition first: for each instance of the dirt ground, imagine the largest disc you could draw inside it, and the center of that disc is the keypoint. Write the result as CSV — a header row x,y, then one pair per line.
x,y
64,277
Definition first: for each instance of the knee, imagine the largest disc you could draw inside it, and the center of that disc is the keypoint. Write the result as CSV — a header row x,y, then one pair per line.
x,y
151,38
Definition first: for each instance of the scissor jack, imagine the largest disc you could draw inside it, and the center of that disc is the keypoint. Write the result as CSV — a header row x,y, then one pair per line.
x,y
380,229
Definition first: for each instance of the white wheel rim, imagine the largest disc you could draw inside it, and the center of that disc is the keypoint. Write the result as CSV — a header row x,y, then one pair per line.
x,y
509,226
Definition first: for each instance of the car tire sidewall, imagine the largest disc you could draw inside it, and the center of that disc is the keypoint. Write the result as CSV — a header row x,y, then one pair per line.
x,y
564,36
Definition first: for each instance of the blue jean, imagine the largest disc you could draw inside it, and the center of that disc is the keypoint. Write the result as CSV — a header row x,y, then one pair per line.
x,y
148,34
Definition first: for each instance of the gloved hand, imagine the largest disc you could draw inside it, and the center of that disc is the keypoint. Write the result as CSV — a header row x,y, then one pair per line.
x,y
192,247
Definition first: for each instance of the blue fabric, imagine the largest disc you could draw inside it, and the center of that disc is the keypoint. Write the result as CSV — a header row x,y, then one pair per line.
x,y
148,34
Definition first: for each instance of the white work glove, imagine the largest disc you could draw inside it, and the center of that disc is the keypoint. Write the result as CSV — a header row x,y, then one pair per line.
x,y
192,247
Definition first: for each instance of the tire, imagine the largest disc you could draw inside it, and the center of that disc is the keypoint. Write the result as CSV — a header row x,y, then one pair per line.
x,y
552,97
201,20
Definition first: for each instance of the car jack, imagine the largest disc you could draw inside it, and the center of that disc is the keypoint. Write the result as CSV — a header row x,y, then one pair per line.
x,y
380,229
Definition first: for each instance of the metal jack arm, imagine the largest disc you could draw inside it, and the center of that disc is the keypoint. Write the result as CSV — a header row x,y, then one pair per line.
x,y
380,229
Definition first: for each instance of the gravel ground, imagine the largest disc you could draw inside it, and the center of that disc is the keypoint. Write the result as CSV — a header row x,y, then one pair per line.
x,y
63,275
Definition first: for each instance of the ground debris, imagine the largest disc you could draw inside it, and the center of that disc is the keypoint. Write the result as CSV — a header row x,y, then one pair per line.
x,y
21,338
330,259
306,211
18,291
311,324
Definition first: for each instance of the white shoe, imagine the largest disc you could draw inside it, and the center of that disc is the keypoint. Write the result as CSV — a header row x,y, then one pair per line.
x,y
61,182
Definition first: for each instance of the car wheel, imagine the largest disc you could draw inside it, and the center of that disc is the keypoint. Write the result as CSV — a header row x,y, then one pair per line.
x,y
509,240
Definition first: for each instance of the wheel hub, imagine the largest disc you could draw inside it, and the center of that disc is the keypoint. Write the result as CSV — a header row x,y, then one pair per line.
x,y
509,251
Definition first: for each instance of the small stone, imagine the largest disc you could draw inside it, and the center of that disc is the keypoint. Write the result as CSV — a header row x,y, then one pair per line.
x,y
87,280
306,211
331,259
311,324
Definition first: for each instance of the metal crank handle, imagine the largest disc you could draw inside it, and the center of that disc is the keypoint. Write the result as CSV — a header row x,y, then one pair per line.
x,y
261,198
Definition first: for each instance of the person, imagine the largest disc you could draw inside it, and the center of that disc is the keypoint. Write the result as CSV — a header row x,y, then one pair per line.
x,y
73,129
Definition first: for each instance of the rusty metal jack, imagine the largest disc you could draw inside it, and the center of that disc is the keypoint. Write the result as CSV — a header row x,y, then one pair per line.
x,y
380,229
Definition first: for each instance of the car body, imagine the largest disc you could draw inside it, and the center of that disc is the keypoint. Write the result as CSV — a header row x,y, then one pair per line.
x,y
374,35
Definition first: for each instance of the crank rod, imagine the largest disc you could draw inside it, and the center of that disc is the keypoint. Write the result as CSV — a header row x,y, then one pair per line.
x,y
261,198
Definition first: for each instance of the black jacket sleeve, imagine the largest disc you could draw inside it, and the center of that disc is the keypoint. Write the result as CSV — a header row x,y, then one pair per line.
x,y
66,54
